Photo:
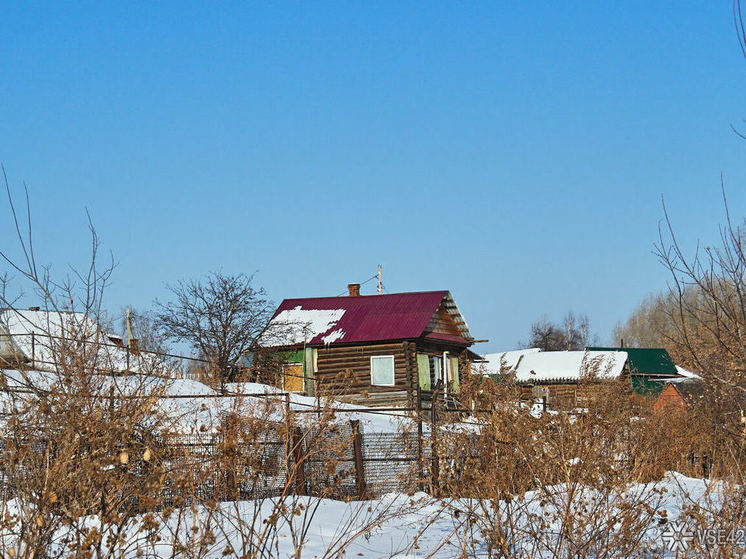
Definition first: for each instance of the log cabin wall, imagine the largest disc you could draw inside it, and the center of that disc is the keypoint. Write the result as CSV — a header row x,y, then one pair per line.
x,y
442,323
345,372
565,397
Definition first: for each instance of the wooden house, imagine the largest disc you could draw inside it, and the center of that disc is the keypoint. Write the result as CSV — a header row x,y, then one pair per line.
x,y
556,379
653,364
38,339
569,379
393,349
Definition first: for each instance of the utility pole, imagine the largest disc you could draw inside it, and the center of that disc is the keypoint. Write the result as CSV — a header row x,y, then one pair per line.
x,y
380,279
129,328
129,336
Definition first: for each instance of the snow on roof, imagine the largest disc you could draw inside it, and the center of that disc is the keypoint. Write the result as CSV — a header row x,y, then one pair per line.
x,y
371,419
534,365
570,365
320,321
194,409
40,336
297,326
36,334
494,363
13,379
687,374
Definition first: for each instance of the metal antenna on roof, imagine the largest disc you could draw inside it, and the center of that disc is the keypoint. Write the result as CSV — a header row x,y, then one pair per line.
x,y
380,279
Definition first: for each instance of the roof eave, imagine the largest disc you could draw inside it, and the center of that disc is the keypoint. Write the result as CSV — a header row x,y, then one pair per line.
x,y
451,308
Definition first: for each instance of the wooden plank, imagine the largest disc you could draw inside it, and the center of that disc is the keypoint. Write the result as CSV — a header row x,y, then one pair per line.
x,y
442,323
357,450
300,471
293,377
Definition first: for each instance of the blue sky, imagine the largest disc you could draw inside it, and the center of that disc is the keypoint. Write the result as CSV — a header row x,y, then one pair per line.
x,y
514,153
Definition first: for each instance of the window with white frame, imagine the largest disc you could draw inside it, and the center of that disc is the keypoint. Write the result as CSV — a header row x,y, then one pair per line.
x,y
382,370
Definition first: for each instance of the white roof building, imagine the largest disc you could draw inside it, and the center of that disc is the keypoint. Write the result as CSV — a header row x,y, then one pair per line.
x,y
534,365
41,339
503,362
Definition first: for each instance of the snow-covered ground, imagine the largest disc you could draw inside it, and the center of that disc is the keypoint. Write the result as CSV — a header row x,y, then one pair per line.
x,y
195,409
404,526
420,526
394,525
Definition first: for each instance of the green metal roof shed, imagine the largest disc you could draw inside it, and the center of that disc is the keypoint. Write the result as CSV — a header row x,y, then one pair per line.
x,y
646,361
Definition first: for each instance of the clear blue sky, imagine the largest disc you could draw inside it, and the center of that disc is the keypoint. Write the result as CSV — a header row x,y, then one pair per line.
x,y
512,152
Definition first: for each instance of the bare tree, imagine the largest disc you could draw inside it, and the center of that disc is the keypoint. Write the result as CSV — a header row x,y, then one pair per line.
x,y
707,321
572,334
545,335
706,329
648,325
220,317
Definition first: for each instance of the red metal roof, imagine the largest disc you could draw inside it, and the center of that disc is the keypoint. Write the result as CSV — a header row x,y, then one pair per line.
x,y
369,318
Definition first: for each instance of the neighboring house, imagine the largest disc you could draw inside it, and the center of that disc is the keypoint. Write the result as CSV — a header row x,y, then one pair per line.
x,y
553,378
556,379
373,349
37,339
504,362
649,369
34,337
678,395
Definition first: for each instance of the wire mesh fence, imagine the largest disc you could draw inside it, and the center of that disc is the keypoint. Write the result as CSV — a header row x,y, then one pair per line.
x,y
339,461
319,461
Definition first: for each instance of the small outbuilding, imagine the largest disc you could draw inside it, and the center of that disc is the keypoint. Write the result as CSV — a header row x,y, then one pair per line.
x,y
678,395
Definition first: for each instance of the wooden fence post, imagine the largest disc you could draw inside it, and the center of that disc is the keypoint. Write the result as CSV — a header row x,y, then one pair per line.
x,y
420,456
288,442
435,467
300,467
357,450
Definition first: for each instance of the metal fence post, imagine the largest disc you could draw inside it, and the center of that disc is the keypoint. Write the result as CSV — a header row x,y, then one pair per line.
x,y
357,450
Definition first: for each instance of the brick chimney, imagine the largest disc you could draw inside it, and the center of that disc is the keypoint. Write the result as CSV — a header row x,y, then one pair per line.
x,y
354,289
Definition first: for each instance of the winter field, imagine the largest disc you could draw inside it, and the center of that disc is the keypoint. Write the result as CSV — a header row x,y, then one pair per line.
x,y
539,524
589,516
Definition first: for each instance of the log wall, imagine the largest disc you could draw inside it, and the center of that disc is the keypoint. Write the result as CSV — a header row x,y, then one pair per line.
x,y
345,370
566,397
